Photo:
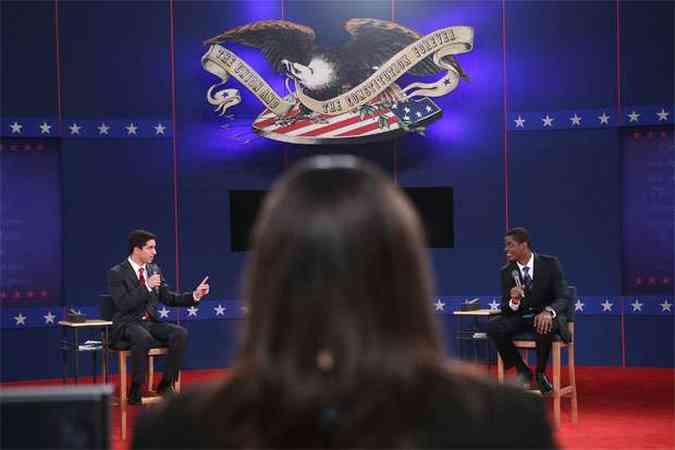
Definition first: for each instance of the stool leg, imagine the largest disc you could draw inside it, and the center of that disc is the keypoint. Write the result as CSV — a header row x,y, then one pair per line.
x,y
573,382
500,368
556,383
151,373
123,379
123,413
176,385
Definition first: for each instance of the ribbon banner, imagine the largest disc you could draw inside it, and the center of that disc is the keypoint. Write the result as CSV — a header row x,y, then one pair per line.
x,y
438,44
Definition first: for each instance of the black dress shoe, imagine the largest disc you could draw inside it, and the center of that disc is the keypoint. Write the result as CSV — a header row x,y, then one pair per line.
x,y
134,397
522,379
543,384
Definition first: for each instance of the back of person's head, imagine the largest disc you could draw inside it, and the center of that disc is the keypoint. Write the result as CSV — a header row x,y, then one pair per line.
x,y
339,322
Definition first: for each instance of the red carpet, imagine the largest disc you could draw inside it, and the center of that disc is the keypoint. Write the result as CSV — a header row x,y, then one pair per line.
x,y
618,408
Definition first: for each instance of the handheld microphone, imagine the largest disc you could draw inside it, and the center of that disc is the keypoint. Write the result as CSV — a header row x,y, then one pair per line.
x,y
516,278
150,268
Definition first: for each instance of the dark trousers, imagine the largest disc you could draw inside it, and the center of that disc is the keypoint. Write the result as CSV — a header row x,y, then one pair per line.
x,y
502,329
143,335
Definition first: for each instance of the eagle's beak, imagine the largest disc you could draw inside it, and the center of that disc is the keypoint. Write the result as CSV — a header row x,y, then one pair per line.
x,y
296,71
288,66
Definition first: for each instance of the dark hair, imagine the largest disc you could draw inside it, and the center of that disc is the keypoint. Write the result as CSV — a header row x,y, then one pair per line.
x,y
520,235
138,238
340,324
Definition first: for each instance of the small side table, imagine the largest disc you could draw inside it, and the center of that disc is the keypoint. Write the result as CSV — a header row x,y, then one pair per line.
x,y
74,346
474,332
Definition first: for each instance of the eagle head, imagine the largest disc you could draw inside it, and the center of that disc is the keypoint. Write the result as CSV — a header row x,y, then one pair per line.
x,y
319,75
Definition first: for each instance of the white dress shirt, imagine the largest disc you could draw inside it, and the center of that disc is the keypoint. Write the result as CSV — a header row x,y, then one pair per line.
x,y
530,266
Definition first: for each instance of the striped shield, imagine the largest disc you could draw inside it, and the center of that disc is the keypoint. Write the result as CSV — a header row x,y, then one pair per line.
x,y
370,123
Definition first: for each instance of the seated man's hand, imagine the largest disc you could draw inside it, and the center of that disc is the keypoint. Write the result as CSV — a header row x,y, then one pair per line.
x,y
543,322
154,281
201,290
517,294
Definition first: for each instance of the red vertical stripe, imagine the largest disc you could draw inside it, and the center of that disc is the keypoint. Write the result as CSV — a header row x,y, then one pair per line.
x,y
394,150
619,112
506,119
623,336
172,65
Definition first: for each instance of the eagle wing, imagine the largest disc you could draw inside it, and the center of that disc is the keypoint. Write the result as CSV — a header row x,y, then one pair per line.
x,y
374,41
277,39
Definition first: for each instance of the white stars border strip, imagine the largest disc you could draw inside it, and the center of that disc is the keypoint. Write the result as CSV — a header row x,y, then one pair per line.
x,y
649,305
600,118
30,127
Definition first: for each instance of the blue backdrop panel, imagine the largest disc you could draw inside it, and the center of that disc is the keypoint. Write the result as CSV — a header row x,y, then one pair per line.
x,y
649,341
111,187
212,343
560,58
115,58
648,211
647,53
328,17
30,223
32,353
29,85
477,180
598,340
565,188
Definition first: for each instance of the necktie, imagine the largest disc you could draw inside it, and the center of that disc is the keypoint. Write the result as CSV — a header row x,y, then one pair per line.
x,y
527,279
141,281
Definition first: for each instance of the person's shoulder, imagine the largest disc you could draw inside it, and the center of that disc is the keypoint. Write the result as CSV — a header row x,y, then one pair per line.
x,y
549,261
492,415
487,392
163,425
117,268
547,258
506,267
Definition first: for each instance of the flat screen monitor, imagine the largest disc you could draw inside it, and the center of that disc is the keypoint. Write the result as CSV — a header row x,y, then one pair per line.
x,y
63,417
434,205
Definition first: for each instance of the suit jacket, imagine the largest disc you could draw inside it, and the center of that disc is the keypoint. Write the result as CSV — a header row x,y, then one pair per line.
x,y
548,289
132,300
456,411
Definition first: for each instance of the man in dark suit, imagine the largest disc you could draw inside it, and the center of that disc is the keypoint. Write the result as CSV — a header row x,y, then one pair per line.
x,y
137,286
533,298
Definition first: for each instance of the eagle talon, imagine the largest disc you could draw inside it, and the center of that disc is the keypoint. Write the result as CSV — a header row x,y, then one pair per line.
x,y
366,110
383,122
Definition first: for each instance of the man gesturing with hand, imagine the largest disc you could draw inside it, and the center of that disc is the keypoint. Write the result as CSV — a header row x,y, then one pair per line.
x,y
137,287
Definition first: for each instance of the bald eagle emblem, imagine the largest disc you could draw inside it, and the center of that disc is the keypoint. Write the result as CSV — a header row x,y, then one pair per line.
x,y
345,94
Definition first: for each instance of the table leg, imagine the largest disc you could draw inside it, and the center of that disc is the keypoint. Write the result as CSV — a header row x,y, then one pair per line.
x,y
459,337
64,353
76,348
106,355
474,341
93,369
